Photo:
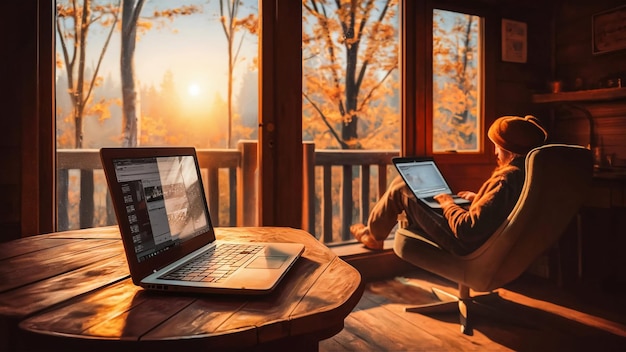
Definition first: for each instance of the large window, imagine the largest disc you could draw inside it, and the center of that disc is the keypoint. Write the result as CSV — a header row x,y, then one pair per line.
x,y
351,80
457,82
174,72
350,101
148,73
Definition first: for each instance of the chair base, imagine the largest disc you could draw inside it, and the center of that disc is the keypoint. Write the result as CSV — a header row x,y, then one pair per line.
x,y
449,303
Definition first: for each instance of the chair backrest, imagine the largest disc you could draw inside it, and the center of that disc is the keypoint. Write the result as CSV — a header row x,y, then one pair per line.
x,y
558,177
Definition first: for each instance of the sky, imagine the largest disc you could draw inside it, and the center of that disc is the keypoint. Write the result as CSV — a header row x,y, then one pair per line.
x,y
193,47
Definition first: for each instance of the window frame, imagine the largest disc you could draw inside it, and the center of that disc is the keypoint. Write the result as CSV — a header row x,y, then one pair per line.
x,y
38,181
418,63
38,204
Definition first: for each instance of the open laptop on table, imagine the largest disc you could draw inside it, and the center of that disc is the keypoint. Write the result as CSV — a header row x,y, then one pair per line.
x,y
423,177
165,226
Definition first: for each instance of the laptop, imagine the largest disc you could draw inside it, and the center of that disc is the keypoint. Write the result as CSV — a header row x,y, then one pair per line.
x,y
423,177
166,228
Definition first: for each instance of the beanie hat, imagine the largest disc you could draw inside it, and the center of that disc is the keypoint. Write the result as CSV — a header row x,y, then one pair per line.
x,y
517,134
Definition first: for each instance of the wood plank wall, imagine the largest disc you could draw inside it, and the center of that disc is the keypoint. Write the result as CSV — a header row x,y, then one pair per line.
x,y
17,75
574,60
603,219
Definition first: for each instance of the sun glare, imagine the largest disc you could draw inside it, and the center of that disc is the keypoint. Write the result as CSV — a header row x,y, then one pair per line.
x,y
194,90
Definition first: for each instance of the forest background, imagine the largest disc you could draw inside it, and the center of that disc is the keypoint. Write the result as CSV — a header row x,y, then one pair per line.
x,y
167,72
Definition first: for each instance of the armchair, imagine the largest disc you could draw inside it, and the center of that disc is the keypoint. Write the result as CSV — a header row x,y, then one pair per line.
x,y
557,179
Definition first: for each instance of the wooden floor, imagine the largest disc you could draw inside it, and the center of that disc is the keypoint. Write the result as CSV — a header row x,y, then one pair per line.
x,y
530,314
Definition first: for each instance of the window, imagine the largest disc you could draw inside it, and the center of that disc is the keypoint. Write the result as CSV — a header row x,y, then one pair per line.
x,y
457,82
351,80
350,101
189,78
350,92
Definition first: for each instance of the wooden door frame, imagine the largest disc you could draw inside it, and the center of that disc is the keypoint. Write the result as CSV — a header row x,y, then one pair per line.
x,y
280,114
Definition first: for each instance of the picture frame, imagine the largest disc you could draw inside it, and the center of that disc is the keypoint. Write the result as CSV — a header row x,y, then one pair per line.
x,y
608,30
514,41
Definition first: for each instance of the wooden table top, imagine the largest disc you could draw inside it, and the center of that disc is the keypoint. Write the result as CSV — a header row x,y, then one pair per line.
x,y
73,289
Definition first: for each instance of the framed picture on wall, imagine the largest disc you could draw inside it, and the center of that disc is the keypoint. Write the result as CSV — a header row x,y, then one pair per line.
x,y
608,30
514,41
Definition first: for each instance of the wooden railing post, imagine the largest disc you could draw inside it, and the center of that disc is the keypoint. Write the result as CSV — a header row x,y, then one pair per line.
x,y
347,203
63,180
85,160
212,192
308,196
247,214
86,198
365,193
327,204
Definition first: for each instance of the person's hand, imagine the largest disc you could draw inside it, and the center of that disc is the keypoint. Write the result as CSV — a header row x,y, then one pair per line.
x,y
469,195
443,199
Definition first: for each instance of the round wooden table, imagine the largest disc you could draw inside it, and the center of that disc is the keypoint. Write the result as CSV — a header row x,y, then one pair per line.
x,y
72,290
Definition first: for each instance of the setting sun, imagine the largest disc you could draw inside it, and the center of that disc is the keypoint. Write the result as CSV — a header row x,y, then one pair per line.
x,y
194,90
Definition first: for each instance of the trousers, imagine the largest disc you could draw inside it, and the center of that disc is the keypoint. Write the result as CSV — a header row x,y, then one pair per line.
x,y
422,219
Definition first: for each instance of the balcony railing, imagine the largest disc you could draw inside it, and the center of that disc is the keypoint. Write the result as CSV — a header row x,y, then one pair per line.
x,y
229,176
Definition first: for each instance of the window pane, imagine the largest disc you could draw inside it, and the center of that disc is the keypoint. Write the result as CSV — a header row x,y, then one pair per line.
x,y
350,74
457,60
190,84
351,97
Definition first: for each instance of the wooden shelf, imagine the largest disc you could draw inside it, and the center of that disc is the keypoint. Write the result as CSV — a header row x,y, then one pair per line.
x,y
603,94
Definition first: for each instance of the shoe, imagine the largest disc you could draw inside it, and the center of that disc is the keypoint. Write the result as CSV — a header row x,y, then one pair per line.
x,y
363,235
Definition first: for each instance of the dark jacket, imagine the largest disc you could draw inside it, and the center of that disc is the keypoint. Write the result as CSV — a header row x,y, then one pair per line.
x,y
493,203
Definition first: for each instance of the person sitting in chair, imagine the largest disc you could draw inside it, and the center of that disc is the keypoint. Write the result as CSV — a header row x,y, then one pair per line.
x,y
459,229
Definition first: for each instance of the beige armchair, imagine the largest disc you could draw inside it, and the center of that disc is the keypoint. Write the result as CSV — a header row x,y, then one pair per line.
x,y
557,179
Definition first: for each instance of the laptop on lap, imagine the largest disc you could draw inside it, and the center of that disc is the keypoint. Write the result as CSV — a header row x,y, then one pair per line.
x,y
166,228
424,179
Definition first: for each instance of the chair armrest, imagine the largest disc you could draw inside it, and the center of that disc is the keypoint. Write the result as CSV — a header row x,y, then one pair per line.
x,y
408,232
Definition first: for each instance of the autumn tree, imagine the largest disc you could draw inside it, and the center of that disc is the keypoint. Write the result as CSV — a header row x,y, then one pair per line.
x,y
350,52
74,22
455,81
132,25
233,24
130,15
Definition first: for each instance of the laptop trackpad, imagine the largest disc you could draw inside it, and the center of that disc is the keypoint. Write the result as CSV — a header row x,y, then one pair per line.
x,y
273,262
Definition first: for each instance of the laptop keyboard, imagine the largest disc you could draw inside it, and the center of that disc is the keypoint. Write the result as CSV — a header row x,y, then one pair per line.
x,y
216,264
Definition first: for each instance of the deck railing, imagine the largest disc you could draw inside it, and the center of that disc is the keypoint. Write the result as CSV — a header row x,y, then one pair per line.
x,y
229,177
350,207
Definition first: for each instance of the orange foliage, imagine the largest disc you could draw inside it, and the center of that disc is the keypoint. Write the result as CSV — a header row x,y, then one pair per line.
x,y
455,82
350,83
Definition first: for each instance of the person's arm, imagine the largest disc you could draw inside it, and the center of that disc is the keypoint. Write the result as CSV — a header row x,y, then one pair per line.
x,y
444,199
469,195
489,209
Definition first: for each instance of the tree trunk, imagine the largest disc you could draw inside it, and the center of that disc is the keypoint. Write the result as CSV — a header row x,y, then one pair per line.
x,y
130,98
349,128
86,176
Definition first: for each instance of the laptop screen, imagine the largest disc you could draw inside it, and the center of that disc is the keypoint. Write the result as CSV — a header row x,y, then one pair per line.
x,y
163,202
423,177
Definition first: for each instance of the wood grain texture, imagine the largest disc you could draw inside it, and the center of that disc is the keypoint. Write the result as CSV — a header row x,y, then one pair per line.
x,y
73,290
530,314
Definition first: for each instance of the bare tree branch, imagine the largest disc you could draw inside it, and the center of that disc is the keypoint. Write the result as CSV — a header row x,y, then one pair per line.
x,y
321,114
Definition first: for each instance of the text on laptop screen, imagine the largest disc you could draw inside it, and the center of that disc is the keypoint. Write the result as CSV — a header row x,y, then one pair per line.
x,y
423,178
164,202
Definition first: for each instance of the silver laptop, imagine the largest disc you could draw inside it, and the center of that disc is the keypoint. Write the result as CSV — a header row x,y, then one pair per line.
x,y
423,177
167,231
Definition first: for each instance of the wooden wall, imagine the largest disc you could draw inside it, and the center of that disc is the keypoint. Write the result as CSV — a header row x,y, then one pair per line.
x,y
574,61
601,260
17,74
